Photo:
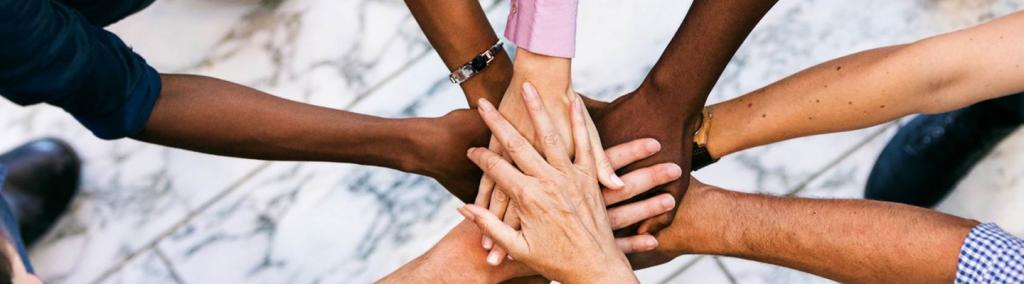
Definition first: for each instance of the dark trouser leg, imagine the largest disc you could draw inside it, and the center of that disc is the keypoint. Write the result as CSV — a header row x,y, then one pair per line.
x,y
10,226
105,12
931,154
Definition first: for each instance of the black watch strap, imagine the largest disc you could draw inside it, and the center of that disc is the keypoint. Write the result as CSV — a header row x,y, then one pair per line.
x,y
701,158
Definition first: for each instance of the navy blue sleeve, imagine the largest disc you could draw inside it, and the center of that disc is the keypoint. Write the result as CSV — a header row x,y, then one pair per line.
x,y
51,54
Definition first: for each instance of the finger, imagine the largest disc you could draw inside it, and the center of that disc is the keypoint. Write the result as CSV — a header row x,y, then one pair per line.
x,y
605,173
637,243
496,256
629,214
655,224
504,235
643,180
515,145
627,153
581,137
507,177
550,140
483,196
499,204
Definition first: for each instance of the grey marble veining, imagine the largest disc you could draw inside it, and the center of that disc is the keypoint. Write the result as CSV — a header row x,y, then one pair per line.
x,y
148,214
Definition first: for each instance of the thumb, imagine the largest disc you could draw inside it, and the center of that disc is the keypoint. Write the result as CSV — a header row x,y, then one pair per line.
x,y
502,234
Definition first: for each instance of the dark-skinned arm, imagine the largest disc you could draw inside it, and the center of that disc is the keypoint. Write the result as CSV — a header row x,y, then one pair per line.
x,y
677,87
213,116
459,31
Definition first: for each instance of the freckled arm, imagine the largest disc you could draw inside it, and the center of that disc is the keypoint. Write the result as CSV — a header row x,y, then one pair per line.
x,y
934,75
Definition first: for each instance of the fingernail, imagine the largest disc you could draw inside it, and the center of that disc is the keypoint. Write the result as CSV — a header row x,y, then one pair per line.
x,y
509,257
493,259
673,171
616,181
488,243
651,243
668,202
652,146
529,92
465,213
485,106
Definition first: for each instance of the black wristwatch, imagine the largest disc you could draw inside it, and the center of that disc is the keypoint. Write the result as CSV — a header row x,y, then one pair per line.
x,y
476,65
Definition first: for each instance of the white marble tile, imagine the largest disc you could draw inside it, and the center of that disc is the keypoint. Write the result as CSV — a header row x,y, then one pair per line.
x,y
993,191
221,220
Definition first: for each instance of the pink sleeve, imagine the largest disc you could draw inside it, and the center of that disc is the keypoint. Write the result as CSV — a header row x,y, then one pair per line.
x,y
546,27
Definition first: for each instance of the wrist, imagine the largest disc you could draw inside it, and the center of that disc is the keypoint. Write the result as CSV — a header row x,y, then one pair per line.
x,y
546,73
491,82
667,101
616,270
700,225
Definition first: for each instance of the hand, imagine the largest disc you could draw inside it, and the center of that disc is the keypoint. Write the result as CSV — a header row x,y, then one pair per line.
x,y
683,236
630,117
555,96
566,234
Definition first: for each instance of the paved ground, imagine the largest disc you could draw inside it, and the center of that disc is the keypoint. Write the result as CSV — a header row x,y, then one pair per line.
x,y
150,214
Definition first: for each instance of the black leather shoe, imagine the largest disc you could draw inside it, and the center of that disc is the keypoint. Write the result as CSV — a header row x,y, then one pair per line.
x,y
930,155
42,178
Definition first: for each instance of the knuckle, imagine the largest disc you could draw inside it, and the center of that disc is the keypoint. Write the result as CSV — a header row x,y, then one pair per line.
x,y
551,139
604,164
492,164
516,145
500,197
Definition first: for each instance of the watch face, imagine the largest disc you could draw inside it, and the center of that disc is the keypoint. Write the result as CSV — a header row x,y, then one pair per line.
x,y
479,63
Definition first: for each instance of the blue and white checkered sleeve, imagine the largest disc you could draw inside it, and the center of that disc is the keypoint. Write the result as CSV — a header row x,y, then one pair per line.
x,y
990,255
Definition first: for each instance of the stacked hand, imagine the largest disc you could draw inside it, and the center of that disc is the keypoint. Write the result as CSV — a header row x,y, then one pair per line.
x,y
551,76
566,232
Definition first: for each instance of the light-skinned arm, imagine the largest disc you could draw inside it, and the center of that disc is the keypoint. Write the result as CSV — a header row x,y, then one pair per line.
x,y
850,241
933,75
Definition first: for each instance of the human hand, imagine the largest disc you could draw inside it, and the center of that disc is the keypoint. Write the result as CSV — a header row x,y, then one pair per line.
x,y
566,234
630,117
555,94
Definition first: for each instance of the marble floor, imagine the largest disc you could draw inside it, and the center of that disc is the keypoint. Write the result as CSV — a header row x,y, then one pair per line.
x,y
150,214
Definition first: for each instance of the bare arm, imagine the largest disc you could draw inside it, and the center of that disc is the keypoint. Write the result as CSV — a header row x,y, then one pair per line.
x,y
678,85
459,30
937,74
850,241
218,117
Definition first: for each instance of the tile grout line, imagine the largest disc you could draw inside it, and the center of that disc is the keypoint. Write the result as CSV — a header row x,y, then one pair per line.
x,y
725,270
846,154
181,223
391,77
681,269
170,265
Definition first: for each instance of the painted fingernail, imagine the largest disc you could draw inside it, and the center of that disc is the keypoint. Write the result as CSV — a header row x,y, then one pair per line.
x,y
493,259
485,106
488,243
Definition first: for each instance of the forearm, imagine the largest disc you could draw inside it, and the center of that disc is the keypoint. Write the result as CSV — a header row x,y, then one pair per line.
x,y
844,240
213,116
934,75
459,31
698,53
456,258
